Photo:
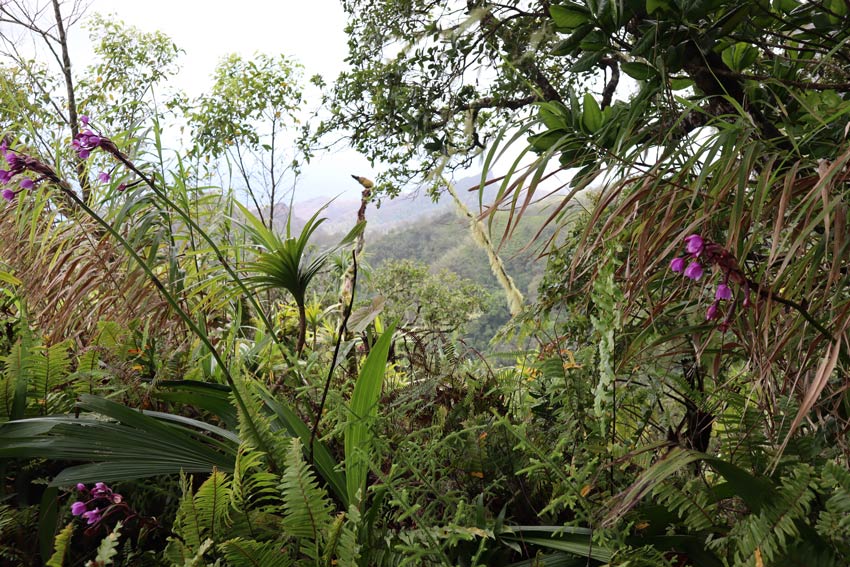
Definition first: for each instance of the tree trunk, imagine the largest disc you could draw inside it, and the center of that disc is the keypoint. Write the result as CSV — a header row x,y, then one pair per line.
x,y
302,329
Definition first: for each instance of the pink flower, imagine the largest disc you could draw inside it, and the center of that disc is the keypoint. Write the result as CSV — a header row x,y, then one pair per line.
x,y
121,186
78,508
693,271
103,177
677,265
81,487
84,119
694,244
712,312
723,292
92,516
85,142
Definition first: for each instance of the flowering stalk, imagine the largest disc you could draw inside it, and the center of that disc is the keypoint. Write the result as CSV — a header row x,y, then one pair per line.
x,y
704,253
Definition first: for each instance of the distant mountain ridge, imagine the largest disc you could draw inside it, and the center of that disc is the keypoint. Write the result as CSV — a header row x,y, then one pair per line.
x,y
411,207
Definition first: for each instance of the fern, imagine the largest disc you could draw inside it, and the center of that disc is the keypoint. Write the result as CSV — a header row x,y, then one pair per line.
x,y
834,521
212,505
18,366
307,510
200,517
107,550
60,546
50,370
253,487
247,553
776,527
255,426
689,503
342,548
254,497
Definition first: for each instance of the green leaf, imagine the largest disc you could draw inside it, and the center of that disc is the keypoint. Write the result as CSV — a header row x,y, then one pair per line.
x,y
211,397
568,46
47,519
133,445
322,457
576,544
591,115
569,16
639,71
679,84
586,62
653,5
9,279
739,56
364,407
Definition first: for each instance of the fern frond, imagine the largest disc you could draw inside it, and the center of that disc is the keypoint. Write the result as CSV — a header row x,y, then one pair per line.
x,y
253,487
834,521
107,550
212,504
307,509
248,553
341,548
186,524
18,369
50,370
256,429
688,502
775,528
60,546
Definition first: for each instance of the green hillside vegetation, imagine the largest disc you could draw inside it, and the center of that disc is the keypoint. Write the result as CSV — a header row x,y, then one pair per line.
x,y
444,243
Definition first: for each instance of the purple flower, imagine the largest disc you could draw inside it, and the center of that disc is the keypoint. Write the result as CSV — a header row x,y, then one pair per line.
x,y
78,508
7,194
81,487
5,176
694,244
693,271
121,186
723,292
677,265
92,516
103,177
100,490
27,183
116,498
16,162
84,119
712,312
84,142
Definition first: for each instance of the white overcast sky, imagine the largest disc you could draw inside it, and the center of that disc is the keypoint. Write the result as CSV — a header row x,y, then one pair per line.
x,y
311,32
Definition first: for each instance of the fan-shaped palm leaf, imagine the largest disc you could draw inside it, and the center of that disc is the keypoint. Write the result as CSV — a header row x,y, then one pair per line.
x,y
283,263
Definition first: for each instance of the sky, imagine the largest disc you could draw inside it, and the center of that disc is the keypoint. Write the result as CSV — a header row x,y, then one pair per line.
x,y
207,30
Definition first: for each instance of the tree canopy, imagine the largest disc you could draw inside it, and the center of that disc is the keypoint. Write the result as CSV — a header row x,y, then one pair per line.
x,y
430,79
